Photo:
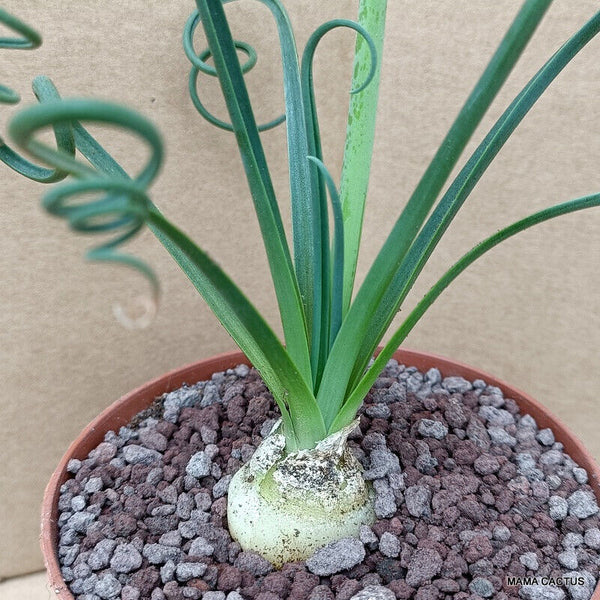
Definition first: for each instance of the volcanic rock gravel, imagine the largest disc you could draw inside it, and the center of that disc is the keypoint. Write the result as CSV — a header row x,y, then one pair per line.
x,y
467,491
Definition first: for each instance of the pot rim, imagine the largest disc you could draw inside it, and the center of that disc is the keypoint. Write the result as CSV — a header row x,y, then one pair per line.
x,y
121,411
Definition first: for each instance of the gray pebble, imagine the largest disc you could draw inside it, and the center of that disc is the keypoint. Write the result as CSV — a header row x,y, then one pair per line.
x,y
545,437
497,417
242,370
582,504
499,436
158,554
155,476
572,540
552,457
253,563
78,503
220,488
82,571
530,561
185,505
80,521
367,536
378,411
541,592
592,538
568,559
385,501
73,465
187,571
157,594
501,533
94,484
203,500
383,462
168,494
576,590
389,545
456,385
482,586
126,559
183,397
138,455
69,554
107,586
211,450
336,556
213,596
433,376
580,475
167,571
425,463
171,538
374,592
558,508
201,547
199,465
528,422
414,382
100,556
418,500
433,429
193,527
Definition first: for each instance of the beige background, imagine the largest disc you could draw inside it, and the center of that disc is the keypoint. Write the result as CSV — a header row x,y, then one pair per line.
x,y
527,312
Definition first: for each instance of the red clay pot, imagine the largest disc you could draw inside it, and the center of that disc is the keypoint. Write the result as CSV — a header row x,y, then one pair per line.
x,y
122,411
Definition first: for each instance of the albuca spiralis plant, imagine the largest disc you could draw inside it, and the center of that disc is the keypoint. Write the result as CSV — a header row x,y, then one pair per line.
x,y
302,488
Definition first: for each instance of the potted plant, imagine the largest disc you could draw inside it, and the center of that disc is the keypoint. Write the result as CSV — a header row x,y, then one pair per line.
x,y
304,489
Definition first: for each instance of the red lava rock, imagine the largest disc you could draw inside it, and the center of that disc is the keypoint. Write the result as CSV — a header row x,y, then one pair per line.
x,y
277,583
428,592
258,408
402,590
345,591
454,565
198,584
173,591
145,580
229,578
267,596
465,453
478,547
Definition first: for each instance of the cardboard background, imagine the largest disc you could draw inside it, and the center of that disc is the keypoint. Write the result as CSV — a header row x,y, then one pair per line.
x,y
527,312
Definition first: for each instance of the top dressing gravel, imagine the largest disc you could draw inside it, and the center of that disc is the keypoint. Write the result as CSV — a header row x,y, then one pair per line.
x,y
472,501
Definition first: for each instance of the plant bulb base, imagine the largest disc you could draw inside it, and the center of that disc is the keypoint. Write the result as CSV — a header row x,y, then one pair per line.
x,y
286,507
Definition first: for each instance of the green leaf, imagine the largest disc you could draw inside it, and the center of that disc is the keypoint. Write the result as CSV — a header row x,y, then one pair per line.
x,y
231,78
466,180
45,92
360,136
352,404
323,327
354,345
251,333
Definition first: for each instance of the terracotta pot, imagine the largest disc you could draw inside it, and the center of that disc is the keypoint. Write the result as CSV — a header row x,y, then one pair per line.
x,y
121,412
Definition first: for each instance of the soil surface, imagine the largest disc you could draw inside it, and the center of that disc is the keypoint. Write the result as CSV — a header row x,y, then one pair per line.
x,y
468,493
